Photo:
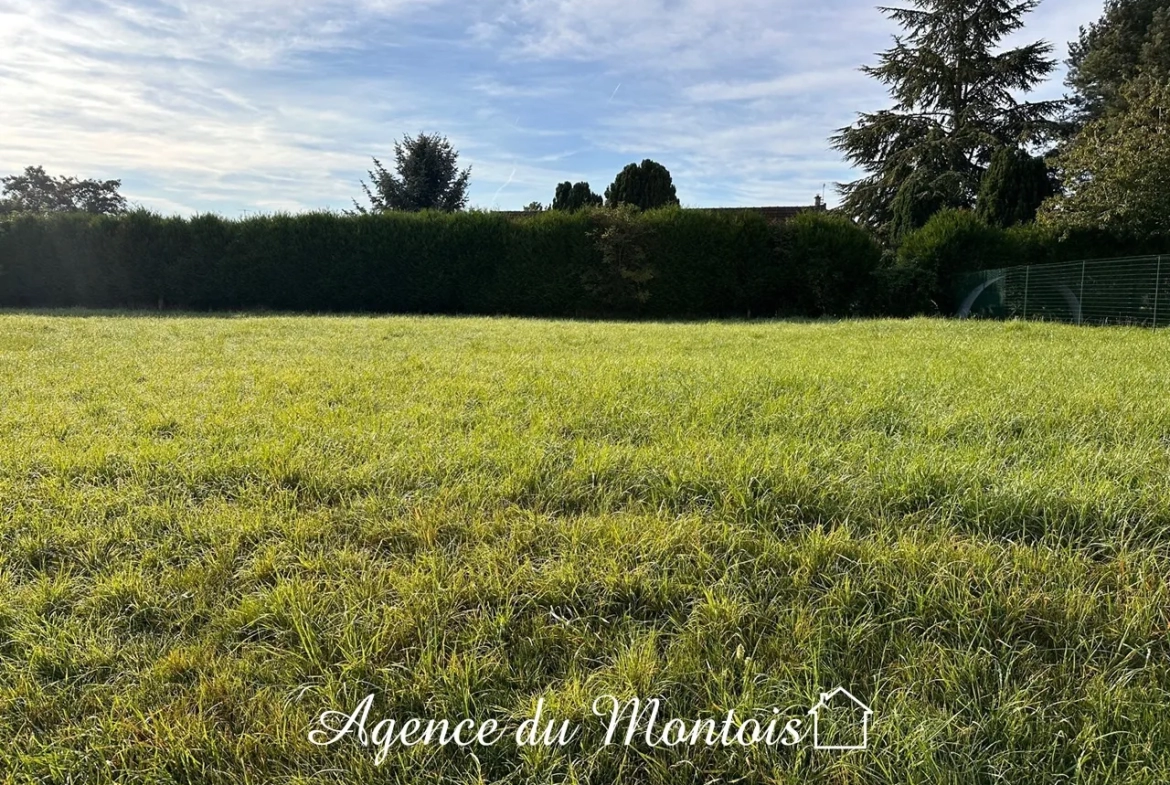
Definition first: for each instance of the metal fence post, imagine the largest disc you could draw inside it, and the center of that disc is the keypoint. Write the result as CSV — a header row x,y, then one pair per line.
x,y
1081,296
1157,290
1027,275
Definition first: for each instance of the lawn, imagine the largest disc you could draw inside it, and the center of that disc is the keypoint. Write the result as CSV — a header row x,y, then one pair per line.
x,y
213,529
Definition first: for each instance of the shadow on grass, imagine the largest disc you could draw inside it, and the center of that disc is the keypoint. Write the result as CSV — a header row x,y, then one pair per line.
x,y
167,313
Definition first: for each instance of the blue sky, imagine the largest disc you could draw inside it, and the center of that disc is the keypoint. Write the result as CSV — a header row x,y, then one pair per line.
x,y
277,105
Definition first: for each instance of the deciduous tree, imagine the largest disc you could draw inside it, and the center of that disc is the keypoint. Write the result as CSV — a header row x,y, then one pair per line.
x,y
1116,171
34,191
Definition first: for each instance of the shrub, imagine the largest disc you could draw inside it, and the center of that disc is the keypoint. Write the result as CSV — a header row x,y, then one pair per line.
x,y
710,264
620,283
542,268
952,242
922,195
594,262
832,265
61,260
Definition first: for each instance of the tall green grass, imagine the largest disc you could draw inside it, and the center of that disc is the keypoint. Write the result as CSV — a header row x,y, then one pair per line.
x,y
213,529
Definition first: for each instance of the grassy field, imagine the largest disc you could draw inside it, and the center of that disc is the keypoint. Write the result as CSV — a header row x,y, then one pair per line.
x,y
213,529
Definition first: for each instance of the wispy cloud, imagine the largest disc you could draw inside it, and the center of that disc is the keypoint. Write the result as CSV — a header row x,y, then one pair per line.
x,y
838,81
270,105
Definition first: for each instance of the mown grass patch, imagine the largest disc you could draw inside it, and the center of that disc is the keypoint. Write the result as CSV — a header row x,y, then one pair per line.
x,y
213,529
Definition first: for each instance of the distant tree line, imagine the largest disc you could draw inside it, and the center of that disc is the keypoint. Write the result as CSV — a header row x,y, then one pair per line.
x,y
34,191
427,177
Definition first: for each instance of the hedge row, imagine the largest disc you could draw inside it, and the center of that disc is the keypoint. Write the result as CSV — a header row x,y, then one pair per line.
x,y
664,263
599,262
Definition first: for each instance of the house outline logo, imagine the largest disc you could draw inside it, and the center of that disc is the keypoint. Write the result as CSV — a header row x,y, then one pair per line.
x,y
826,699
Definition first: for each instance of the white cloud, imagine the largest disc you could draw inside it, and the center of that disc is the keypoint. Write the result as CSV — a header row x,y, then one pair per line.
x,y
192,95
675,34
495,88
788,86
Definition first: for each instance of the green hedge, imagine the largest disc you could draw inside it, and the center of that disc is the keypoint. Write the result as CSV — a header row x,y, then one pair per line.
x,y
833,266
596,262
425,262
663,263
953,242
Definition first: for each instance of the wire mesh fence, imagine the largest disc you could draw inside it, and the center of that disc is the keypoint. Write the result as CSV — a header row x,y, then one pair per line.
x,y
1133,290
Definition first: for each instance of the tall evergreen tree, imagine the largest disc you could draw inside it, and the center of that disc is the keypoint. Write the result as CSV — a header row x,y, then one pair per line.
x,y
646,185
428,178
954,102
571,197
1132,36
1014,187
920,196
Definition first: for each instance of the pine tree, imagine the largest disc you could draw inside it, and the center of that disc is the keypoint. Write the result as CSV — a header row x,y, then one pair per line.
x,y
1132,36
428,178
954,102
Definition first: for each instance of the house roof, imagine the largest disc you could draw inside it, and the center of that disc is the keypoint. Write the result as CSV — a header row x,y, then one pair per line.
x,y
827,698
774,214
